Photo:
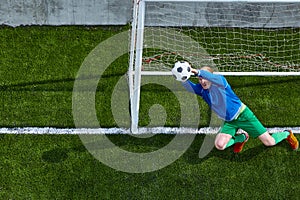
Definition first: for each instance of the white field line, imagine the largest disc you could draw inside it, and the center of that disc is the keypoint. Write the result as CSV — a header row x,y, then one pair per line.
x,y
155,130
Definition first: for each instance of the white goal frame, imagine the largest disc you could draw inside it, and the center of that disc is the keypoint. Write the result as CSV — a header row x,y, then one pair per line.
x,y
136,51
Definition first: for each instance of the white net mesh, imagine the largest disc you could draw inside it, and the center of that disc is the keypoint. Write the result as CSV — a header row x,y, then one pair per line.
x,y
239,36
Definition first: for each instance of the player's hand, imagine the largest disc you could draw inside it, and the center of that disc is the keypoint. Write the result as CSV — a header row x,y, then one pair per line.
x,y
194,71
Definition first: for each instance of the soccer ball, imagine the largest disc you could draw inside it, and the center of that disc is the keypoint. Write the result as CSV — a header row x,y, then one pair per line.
x,y
182,71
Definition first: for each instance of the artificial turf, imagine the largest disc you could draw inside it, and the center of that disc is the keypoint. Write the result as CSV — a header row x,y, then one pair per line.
x,y
39,65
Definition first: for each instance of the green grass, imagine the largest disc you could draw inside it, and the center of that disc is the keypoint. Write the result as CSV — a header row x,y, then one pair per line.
x,y
38,67
59,167
38,70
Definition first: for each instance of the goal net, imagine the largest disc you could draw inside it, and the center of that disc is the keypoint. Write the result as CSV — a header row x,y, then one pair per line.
x,y
235,37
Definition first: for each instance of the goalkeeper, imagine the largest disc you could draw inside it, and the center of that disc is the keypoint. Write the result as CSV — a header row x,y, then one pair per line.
x,y
217,93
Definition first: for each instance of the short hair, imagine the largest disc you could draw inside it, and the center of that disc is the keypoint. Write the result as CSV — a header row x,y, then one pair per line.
x,y
209,69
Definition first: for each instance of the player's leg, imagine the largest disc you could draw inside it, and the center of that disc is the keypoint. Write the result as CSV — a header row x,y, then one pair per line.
x,y
256,129
222,140
238,147
267,139
250,123
274,138
228,137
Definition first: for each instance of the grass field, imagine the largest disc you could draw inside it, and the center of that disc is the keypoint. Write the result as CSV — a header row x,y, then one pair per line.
x,y
38,70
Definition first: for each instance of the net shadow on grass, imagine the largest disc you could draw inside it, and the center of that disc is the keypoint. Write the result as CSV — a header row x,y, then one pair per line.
x,y
64,84
191,156
58,155
249,153
55,155
44,85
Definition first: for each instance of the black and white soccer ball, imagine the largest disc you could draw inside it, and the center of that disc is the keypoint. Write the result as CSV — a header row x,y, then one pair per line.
x,y
182,71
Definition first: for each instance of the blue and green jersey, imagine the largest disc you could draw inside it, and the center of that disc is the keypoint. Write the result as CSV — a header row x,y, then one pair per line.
x,y
220,97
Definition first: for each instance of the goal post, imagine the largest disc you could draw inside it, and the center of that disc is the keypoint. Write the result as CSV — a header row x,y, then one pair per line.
x,y
235,37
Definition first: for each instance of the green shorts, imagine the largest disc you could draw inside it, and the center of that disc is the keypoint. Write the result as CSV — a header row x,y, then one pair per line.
x,y
246,121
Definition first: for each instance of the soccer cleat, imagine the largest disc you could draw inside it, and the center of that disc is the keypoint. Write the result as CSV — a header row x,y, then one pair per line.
x,y
292,140
238,147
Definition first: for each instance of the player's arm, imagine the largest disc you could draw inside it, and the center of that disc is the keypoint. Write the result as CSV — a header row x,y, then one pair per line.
x,y
214,78
192,87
